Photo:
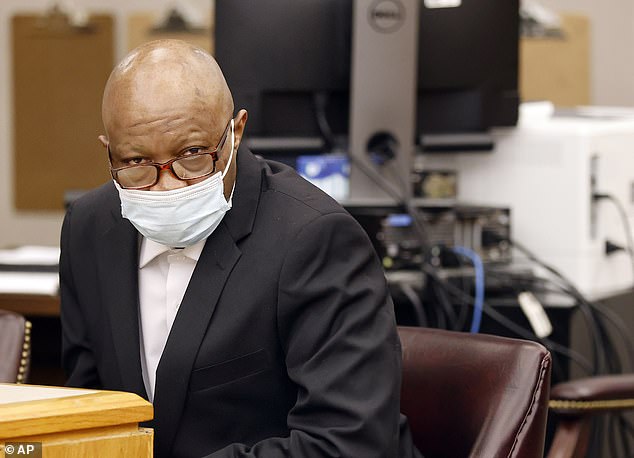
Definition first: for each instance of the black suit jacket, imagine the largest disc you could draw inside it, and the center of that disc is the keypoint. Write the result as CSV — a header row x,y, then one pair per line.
x,y
284,344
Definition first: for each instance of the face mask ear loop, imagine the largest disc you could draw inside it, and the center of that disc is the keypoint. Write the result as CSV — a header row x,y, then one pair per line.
x,y
233,144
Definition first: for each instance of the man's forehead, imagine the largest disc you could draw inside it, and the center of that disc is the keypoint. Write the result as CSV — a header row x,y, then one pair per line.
x,y
165,77
165,93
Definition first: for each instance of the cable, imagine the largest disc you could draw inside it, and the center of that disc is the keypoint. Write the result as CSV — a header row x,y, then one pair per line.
x,y
378,180
626,426
554,347
598,356
597,318
603,360
419,229
529,254
419,225
447,307
479,285
444,301
624,220
400,197
461,319
417,305
620,329
574,356
606,313
624,435
320,99
520,285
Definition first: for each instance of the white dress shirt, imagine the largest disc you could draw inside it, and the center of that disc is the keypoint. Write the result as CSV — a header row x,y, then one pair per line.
x,y
164,274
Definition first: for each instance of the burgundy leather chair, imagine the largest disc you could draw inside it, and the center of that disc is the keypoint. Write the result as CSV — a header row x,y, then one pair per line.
x,y
474,395
15,345
576,403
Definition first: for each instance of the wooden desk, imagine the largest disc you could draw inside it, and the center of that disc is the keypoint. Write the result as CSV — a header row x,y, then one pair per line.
x,y
73,422
31,304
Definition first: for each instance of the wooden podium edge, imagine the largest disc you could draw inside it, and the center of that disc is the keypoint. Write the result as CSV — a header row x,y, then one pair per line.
x,y
84,411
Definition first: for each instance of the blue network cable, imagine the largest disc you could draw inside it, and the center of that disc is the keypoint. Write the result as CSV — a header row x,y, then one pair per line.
x,y
479,285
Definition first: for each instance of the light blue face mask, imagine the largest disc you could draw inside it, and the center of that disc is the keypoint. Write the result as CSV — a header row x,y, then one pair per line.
x,y
179,217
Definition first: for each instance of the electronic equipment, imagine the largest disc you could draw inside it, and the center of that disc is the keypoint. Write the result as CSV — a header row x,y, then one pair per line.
x,y
483,229
284,60
467,71
546,170
293,64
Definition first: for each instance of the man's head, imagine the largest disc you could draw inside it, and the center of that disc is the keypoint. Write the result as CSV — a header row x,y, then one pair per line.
x,y
165,99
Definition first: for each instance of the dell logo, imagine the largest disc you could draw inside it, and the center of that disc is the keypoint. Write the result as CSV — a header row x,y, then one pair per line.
x,y
386,16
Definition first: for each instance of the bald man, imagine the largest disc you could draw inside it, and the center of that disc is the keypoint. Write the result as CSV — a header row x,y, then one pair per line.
x,y
244,303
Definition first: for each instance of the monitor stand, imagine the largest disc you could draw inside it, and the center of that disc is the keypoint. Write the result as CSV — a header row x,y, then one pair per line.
x,y
383,98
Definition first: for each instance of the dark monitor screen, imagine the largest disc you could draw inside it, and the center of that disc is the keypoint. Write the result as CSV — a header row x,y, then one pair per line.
x,y
281,58
285,60
468,66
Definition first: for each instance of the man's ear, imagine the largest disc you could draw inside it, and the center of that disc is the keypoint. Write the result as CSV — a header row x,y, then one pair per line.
x,y
239,124
104,140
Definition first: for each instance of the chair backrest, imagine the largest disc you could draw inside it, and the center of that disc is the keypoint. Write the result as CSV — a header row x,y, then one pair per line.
x,y
15,352
474,395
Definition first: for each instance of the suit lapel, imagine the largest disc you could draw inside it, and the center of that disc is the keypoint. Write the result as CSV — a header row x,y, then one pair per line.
x,y
118,273
118,268
172,379
192,320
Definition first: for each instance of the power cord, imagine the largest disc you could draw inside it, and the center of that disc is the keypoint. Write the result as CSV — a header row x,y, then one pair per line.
x,y
509,324
624,220
599,356
417,305
320,100
605,357
444,289
401,199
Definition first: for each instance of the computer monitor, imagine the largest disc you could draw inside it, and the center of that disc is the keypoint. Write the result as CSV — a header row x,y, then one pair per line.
x,y
467,67
288,62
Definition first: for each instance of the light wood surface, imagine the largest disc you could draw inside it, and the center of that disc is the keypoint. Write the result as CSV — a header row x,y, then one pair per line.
x,y
11,393
76,423
82,411
114,442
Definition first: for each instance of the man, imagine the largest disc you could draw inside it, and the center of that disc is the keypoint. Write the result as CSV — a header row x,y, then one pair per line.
x,y
239,299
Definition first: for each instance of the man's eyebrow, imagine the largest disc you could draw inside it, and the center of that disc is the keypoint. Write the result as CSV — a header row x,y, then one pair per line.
x,y
128,148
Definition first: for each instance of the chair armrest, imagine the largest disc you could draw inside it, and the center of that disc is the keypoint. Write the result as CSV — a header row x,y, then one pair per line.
x,y
591,395
15,347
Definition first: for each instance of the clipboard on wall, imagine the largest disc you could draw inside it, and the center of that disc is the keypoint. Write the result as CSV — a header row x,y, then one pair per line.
x,y
59,71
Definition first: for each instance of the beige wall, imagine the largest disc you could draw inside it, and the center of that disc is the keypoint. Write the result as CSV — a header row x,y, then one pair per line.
x,y
43,227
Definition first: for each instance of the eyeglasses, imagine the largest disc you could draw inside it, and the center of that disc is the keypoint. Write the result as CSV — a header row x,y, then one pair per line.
x,y
185,167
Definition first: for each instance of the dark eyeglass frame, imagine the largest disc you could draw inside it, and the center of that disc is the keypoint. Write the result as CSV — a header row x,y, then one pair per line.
x,y
169,165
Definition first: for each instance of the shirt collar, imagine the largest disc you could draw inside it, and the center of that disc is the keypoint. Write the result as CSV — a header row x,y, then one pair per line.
x,y
151,250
